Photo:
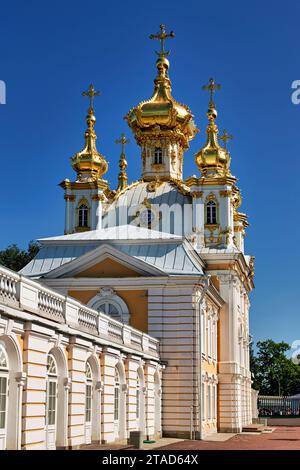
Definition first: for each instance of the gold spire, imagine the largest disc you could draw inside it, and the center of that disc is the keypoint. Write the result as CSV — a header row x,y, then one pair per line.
x,y
162,113
213,160
122,163
89,164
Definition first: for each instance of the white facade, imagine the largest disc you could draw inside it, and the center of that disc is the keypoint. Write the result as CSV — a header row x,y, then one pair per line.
x,y
58,366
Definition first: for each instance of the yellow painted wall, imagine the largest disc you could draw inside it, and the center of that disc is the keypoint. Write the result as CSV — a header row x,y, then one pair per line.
x,y
108,268
136,300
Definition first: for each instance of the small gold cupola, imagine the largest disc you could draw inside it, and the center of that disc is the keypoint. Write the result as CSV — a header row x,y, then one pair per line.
x,y
89,164
162,126
122,178
213,160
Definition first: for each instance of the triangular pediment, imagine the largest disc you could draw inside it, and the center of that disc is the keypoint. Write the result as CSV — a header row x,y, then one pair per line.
x,y
105,261
108,267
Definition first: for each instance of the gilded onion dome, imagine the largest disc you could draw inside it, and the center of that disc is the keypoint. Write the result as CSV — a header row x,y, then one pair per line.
x,y
212,159
89,164
162,112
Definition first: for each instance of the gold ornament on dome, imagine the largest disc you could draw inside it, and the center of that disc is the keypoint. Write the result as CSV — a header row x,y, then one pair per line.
x,y
89,164
213,160
162,113
122,178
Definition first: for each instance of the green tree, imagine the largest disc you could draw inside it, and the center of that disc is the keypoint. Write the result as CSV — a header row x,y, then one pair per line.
x,y
273,372
14,258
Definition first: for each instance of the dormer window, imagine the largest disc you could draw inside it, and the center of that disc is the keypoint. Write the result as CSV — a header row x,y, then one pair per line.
x,y
158,155
211,213
83,215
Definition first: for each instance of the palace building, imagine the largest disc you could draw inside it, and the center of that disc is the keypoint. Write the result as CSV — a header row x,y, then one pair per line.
x,y
137,317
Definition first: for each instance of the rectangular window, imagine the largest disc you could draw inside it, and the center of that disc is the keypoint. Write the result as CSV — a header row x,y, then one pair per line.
x,y
215,402
137,403
3,400
88,403
51,403
203,401
116,406
209,402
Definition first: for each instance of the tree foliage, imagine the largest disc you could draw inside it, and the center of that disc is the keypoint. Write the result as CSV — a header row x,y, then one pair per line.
x,y
273,372
14,258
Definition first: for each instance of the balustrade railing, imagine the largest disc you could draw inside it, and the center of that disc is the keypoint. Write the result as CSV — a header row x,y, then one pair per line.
x,y
8,286
33,297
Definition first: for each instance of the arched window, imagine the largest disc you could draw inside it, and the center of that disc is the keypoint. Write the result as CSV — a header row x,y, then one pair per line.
x,y
138,391
88,393
83,215
158,156
108,302
117,396
51,402
110,309
3,394
211,213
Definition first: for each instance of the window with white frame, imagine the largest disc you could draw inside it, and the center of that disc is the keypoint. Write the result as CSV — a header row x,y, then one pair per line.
x,y
117,395
51,400
211,213
158,156
209,336
209,396
83,215
88,392
3,387
112,305
203,411
204,332
215,398
138,391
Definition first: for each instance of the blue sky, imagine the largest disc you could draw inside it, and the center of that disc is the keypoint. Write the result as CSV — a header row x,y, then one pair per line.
x,y
51,51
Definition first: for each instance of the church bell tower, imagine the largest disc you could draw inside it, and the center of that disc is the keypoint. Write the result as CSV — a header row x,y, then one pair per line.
x,y
85,196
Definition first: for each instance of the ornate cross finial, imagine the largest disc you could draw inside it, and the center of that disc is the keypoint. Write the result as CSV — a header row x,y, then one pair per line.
x,y
91,93
211,87
162,36
225,137
122,163
123,141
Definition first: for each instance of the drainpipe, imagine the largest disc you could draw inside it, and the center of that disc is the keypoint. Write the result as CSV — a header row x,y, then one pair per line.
x,y
203,293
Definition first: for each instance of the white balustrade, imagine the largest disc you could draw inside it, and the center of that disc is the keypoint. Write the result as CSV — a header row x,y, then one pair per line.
x,y
115,329
51,304
88,318
8,286
31,296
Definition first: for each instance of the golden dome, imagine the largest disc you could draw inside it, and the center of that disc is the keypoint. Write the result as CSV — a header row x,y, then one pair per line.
x,y
89,164
162,111
212,159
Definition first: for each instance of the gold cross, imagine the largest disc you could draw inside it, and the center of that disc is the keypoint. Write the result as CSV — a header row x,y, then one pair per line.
x,y
123,141
211,87
91,93
225,137
162,36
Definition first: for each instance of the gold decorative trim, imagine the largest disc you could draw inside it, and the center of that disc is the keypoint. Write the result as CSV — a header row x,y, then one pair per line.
x,y
196,194
69,197
225,193
98,197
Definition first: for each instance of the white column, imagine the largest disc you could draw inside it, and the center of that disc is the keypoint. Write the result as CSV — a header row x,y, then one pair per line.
x,y
20,379
198,218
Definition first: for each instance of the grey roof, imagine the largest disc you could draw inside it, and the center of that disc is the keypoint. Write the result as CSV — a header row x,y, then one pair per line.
x,y
121,232
171,255
166,193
